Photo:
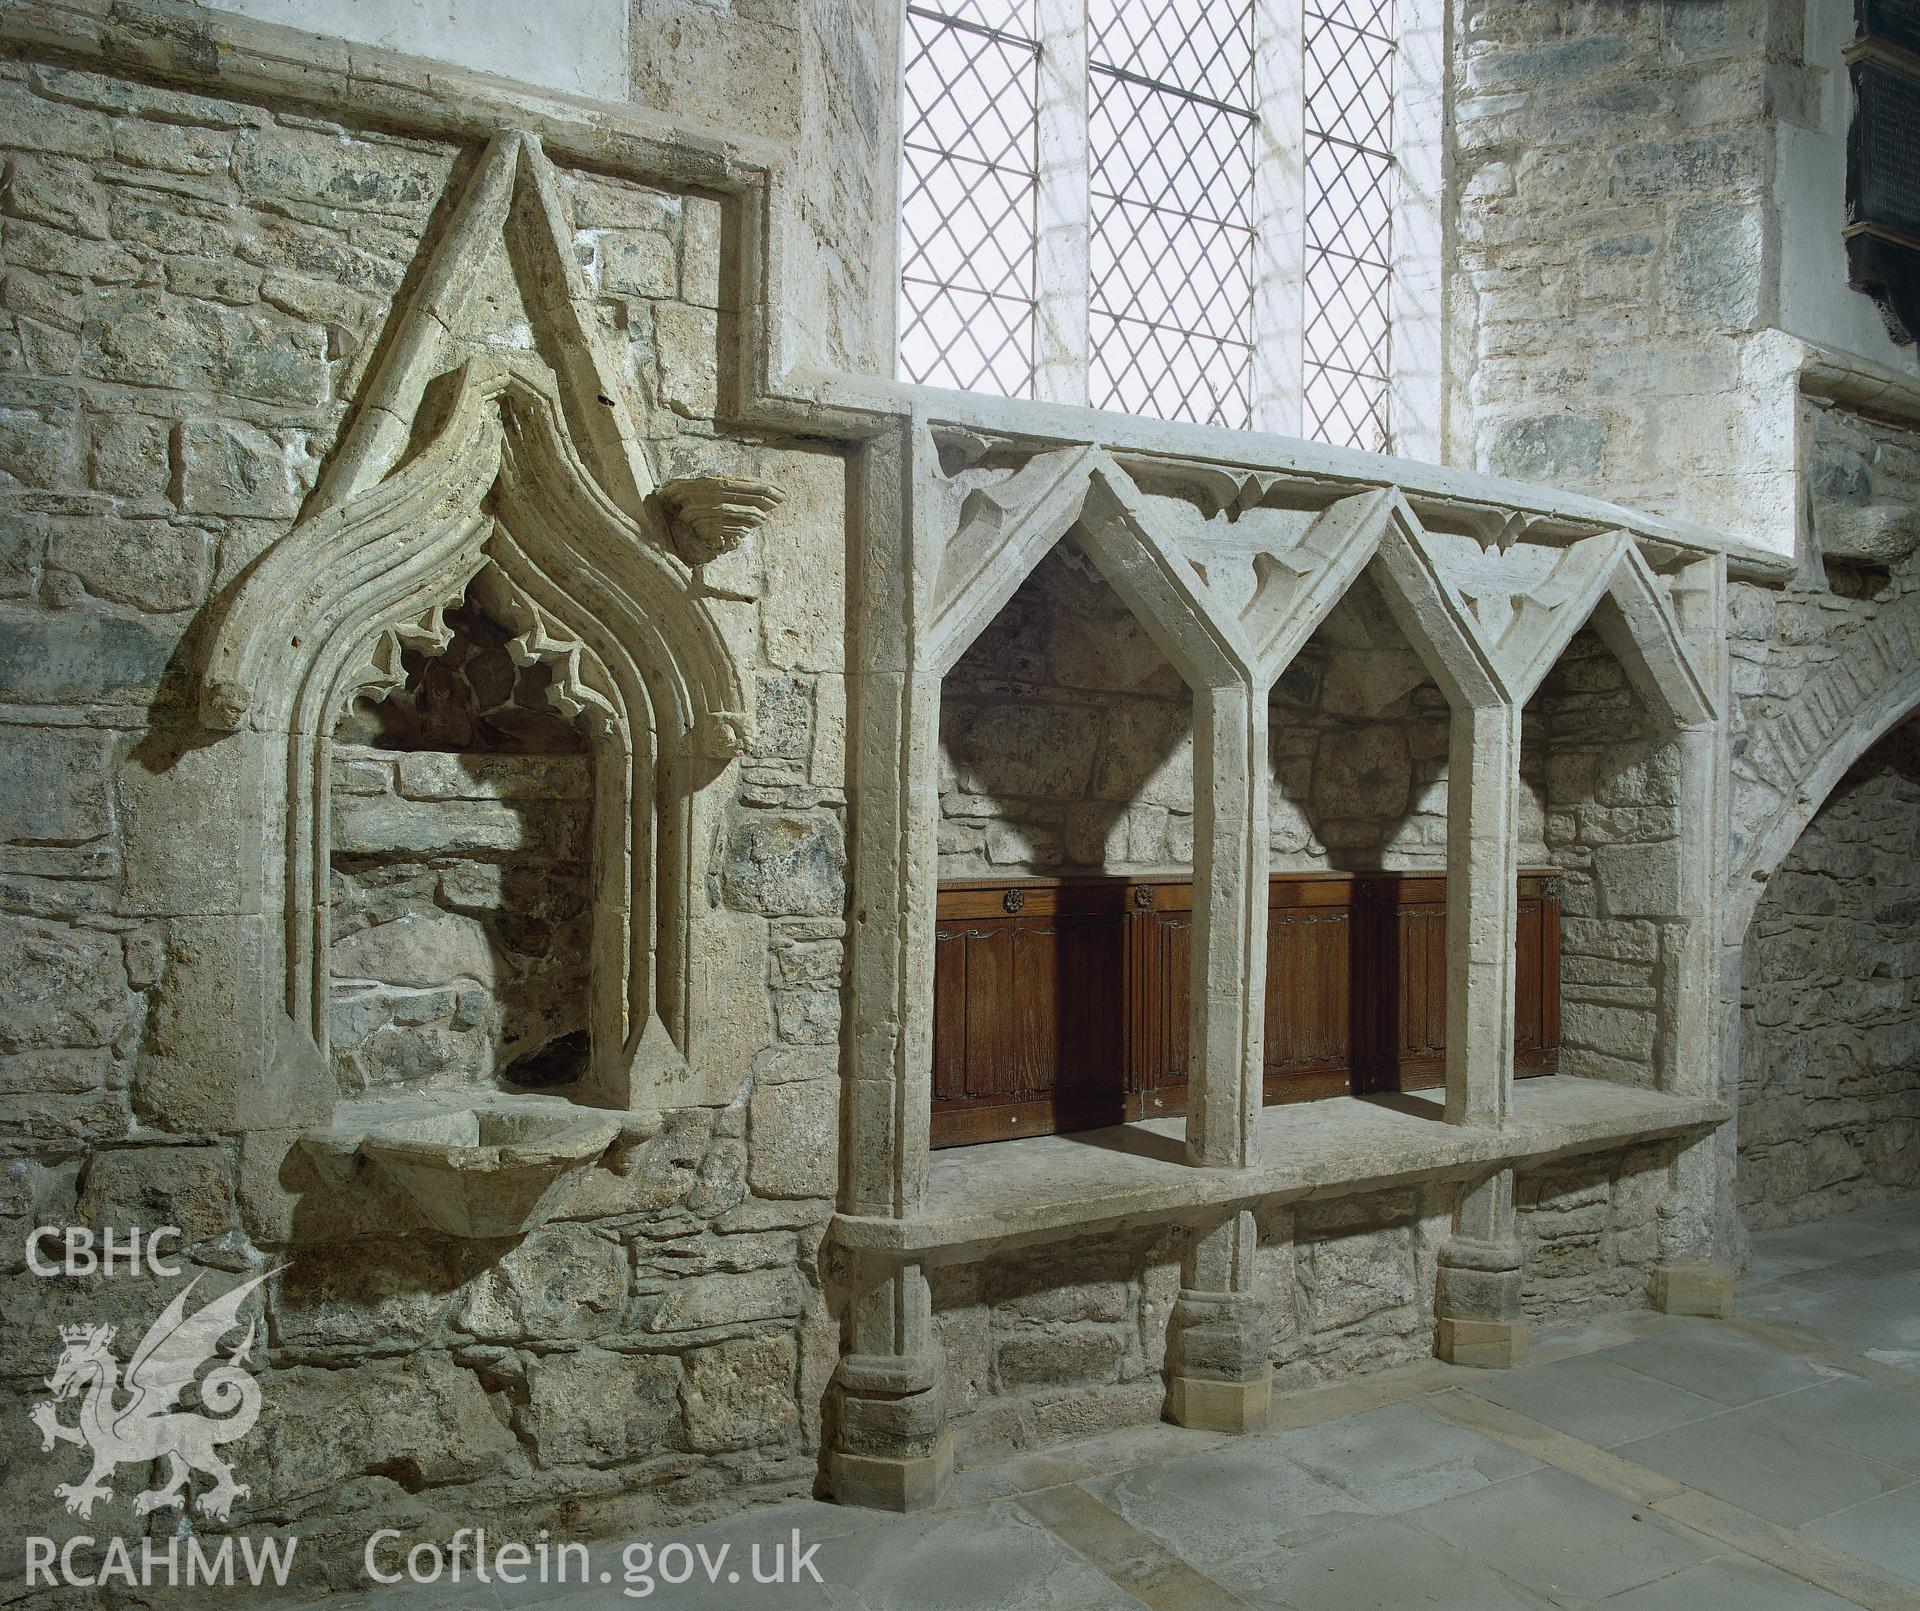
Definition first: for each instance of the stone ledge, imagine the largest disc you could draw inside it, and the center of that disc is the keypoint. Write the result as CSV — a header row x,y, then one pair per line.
x,y
985,1199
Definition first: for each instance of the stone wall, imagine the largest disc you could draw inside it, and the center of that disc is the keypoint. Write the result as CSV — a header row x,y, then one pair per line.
x,y
1358,741
1066,738
461,887
1603,783
1589,1231
1812,658
194,291
1071,1342
814,78
1351,1281
1058,1343
1830,1019
1615,172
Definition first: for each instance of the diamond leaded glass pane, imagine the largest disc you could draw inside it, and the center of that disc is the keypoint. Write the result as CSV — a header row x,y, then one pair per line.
x,y
1199,45
1170,318
1349,48
970,156
1170,193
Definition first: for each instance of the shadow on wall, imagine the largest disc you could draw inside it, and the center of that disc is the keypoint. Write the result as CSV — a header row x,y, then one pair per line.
x,y
1358,736
1066,738
1830,1004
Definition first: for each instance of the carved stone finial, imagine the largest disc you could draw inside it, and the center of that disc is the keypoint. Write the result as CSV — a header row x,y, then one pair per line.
x,y
715,514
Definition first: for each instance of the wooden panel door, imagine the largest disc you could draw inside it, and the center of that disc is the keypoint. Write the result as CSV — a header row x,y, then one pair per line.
x,y
1068,996
1065,1004
1536,1007
973,1042
1029,1024
1159,999
1311,964
1403,987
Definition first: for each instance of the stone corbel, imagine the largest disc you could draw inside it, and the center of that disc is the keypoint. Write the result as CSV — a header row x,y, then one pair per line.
x,y
1869,533
712,515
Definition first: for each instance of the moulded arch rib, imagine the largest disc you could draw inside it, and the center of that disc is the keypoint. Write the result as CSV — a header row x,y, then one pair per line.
x,y
511,205
1159,582
1003,535
414,541
1637,623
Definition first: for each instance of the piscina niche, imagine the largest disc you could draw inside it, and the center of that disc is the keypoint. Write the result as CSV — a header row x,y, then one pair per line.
x,y
486,702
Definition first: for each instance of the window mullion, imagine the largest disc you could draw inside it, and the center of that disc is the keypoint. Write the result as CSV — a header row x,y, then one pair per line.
x,y
1416,407
1279,211
1063,204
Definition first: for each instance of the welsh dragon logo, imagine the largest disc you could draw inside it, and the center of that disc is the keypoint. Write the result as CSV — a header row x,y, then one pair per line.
x,y
135,1422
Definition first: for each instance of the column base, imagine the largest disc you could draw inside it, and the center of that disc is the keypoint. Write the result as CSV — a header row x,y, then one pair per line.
x,y
1484,1344
887,1482
1210,1406
1695,1288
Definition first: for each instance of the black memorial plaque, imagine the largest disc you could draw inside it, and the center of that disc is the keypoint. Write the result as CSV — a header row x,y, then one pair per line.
x,y
1886,178
1895,21
1883,163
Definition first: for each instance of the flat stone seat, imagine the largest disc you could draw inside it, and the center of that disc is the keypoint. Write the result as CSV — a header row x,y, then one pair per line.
x,y
1002,1194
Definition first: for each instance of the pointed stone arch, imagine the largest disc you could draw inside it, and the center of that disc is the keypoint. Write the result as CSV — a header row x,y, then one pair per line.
x,y
1863,729
1374,533
493,449
499,498
510,215
1606,581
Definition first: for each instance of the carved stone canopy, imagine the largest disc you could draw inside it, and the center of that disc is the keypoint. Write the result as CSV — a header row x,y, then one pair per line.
x,y
510,474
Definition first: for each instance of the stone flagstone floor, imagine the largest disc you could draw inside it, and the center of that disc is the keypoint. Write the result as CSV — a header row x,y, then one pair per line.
x,y
1646,1463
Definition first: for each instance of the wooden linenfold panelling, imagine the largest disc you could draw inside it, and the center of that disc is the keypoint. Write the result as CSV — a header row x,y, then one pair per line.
x,y
1311,970
1027,1033
1062,1004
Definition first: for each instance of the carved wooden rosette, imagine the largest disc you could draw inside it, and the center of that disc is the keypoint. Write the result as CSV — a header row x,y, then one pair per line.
x,y
499,500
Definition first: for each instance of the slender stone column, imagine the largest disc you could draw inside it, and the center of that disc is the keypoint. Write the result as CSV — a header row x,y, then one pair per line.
x,y
1695,1276
1229,923
1219,1358
1483,832
889,1446
1219,1365
1480,1319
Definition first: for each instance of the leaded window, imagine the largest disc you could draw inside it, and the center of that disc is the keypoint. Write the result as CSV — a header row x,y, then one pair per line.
x,y
1178,208
970,180
1170,146
1348,331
